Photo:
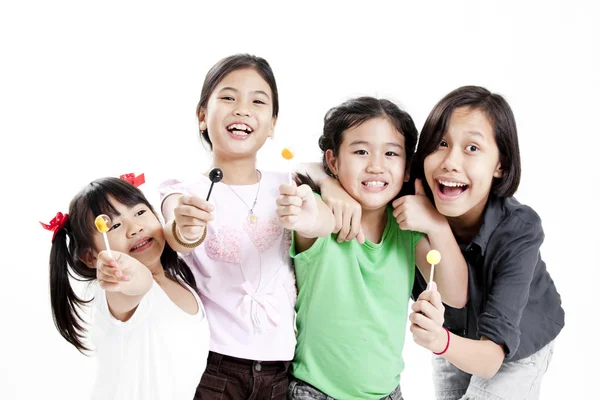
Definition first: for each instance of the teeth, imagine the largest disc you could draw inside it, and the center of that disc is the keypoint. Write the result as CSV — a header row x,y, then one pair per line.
x,y
375,183
452,184
137,246
239,127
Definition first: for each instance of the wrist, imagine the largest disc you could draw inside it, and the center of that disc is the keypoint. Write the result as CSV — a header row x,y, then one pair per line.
x,y
183,241
443,343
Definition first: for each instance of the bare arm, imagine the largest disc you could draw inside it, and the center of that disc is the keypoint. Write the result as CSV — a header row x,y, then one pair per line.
x,y
347,211
125,281
298,209
416,213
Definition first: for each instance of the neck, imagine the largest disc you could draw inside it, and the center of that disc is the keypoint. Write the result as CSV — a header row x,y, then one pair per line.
x,y
240,171
466,226
373,223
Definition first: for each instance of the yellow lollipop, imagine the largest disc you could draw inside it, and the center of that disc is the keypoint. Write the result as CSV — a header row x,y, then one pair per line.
x,y
288,154
433,257
103,224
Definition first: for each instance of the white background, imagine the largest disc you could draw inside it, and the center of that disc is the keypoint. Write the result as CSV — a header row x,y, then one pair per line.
x,y
91,89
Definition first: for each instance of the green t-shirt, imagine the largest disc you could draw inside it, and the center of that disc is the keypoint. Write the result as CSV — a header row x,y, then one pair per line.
x,y
351,312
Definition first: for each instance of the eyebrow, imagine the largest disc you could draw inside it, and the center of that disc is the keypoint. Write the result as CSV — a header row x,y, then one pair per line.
x,y
363,142
237,91
476,133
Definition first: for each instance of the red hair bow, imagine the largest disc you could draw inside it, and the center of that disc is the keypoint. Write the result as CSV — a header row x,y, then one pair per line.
x,y
134,180
56,224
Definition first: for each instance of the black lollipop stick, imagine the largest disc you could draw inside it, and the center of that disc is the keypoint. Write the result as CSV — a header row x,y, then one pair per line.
x,y
215,175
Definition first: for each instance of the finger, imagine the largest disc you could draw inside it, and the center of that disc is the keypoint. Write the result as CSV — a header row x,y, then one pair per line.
x,y
284,211
337,213
361,236
197,202
192,212
355,226
287,189
105,258
424,322
419,189
345,228
285,200
426,308
289,220
398,202
304,192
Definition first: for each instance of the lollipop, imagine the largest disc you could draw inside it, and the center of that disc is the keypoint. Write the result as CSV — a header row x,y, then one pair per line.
x,y
103,224
433,258
215,175
288,154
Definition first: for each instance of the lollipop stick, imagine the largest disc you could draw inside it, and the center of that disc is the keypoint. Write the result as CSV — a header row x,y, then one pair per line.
x,y
106,243
290,172
431,276
210,190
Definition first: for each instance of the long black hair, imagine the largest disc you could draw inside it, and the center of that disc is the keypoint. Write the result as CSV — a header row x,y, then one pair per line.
x,y
75,239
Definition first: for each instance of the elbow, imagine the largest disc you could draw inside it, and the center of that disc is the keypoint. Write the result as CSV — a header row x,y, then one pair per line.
x,y
457,300
491,371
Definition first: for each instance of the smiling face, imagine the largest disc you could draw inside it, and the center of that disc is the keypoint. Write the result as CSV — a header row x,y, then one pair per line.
x,y
461,171
371,163
239,114
134,231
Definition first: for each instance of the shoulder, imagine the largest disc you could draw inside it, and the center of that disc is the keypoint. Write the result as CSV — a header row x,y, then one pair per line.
x,y
518,216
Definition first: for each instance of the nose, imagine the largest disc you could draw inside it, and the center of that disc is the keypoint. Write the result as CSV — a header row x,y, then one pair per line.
x,y
241,110
134,229
375,165
451,160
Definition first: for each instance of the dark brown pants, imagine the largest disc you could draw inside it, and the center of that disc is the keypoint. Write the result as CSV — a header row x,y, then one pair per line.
x,y
230,378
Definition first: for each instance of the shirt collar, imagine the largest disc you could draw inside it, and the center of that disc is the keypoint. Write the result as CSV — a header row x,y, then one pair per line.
x,y
491,219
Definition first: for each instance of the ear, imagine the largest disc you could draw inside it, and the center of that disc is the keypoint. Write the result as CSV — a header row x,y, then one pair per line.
x,y
202,119
331,161
88,257
407,174
499,172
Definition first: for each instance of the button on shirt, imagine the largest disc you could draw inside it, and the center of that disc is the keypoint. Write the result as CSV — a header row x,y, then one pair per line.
x,y
512,298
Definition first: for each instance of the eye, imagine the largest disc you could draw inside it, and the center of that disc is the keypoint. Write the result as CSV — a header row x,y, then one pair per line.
x,y
472,148
259,102
443,143
114,226
391,154
228,98
361,152
137,214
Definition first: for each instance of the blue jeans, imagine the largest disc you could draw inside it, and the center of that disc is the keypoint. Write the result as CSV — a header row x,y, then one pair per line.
x,y
300,390
515,380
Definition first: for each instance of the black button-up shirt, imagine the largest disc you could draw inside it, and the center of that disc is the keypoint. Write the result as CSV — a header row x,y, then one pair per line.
x,y
512,298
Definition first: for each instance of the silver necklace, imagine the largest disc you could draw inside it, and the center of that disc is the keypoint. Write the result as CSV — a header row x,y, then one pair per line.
x,y
251,216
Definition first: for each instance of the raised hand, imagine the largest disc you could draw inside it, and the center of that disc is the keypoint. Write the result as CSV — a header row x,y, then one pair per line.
x,y
122,273
416,213
192,214
427,319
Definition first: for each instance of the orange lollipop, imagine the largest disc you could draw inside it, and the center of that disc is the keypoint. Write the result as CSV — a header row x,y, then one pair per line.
x,y
288,154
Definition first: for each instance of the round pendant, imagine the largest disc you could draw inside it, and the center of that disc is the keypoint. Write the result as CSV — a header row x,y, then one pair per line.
x,y
252,218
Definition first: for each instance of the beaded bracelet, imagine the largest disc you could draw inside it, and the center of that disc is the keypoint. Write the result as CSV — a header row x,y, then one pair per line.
x,y
187,244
